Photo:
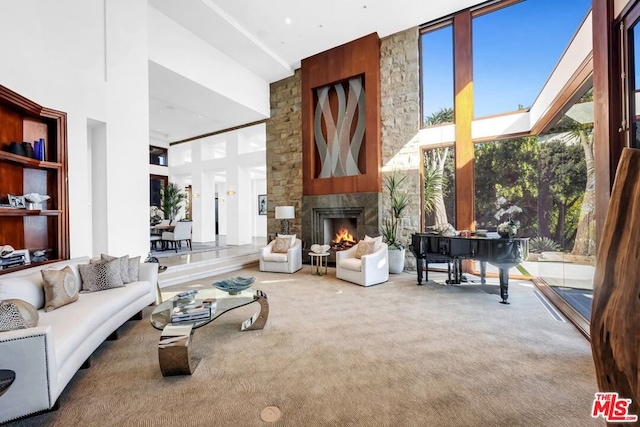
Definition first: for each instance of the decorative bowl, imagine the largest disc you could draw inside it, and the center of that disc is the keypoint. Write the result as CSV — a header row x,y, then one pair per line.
x,y
320,249
234,285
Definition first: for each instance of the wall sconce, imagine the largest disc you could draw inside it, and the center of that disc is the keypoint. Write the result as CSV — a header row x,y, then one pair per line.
x,y
231,192
284,214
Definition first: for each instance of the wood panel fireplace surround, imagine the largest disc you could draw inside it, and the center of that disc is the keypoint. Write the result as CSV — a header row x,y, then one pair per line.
x,y
341,142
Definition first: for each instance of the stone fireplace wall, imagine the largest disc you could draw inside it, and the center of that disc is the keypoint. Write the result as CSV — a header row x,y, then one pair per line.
x,y
315,208
400,114
284,152
400,117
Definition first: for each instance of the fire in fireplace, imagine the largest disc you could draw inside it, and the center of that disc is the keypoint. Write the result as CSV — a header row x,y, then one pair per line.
x,y
342,240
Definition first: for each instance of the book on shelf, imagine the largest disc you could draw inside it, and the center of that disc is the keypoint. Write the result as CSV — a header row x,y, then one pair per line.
x,y
12,259
11,265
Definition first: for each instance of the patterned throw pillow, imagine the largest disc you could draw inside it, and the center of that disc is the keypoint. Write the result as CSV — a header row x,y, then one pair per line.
x,y
376,240
134,269
17,314
364,248
290,236
60,288
100,275
281,245
124,266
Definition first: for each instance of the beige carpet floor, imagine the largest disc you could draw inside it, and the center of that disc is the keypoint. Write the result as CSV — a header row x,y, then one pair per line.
x,y
337,354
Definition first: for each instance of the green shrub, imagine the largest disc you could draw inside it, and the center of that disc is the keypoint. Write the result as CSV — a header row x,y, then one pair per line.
x,y
543,244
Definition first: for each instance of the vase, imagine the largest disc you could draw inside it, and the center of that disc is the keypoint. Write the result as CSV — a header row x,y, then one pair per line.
x,y
396,261
507,229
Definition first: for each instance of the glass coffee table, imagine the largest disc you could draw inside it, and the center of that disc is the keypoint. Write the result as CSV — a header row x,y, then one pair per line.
x,y
177,338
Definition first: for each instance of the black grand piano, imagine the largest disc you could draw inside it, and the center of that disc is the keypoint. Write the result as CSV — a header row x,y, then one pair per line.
x,y
504,253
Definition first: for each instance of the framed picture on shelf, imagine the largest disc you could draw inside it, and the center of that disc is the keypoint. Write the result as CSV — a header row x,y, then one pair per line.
x,y
16,201
262,204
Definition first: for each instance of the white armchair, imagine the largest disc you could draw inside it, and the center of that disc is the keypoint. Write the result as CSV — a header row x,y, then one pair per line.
x,y
289,262
368,270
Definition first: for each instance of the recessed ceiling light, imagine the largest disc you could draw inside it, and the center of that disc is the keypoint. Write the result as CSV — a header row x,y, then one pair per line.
x,y
199,116
287,20
364,7
320,25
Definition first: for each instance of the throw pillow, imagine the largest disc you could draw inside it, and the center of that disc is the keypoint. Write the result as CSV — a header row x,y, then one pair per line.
x,y
281,245
364,248
124,265
134,269
100,275
60,288
17,314
290,236
376,240
28,288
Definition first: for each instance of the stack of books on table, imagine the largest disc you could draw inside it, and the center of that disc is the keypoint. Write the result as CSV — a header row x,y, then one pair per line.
x,y
13,260
191,312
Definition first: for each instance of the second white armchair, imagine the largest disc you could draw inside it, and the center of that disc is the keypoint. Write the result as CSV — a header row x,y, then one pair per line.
x,y
367,270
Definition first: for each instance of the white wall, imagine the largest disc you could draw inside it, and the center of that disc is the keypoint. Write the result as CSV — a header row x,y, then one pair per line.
x,y
89,59
175,48
220,163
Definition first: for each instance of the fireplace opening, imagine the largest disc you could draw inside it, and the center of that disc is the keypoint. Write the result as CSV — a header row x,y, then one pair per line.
x,y
340,233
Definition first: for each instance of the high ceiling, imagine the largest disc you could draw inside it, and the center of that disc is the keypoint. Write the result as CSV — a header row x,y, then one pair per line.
x,y
270,38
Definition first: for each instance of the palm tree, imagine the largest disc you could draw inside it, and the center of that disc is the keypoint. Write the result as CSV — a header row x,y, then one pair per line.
x,y
435,160
172,197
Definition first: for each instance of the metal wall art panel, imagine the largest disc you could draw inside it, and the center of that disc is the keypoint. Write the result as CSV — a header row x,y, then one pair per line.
x,y
339,127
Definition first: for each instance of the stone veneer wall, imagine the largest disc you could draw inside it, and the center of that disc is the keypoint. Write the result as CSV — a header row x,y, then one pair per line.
x,y
284,152
400,114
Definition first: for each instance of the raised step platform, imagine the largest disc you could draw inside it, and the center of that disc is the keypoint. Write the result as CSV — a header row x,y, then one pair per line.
x,y
176,274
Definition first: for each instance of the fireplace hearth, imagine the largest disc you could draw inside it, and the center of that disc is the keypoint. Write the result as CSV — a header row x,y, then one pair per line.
x,y
323,216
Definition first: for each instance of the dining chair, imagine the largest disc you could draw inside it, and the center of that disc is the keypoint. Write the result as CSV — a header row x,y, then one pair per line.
x,y
181,231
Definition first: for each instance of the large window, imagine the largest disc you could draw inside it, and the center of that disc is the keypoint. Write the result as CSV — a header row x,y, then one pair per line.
x,y
439,180
546,184
516,48
437,75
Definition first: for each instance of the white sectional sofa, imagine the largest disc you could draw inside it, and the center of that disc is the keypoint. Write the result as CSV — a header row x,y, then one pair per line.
x,y
46,357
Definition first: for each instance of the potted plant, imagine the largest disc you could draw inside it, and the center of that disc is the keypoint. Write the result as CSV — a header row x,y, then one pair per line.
x,y
399,200
172,197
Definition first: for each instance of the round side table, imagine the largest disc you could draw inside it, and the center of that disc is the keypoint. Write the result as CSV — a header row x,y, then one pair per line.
x,y
318,260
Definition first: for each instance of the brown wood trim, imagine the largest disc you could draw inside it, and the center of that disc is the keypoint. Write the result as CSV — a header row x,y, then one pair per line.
x,y
421,183
359,57
577,81
218,132
463,112
608,142
492,7
565,308
51,227
10,98
429,27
